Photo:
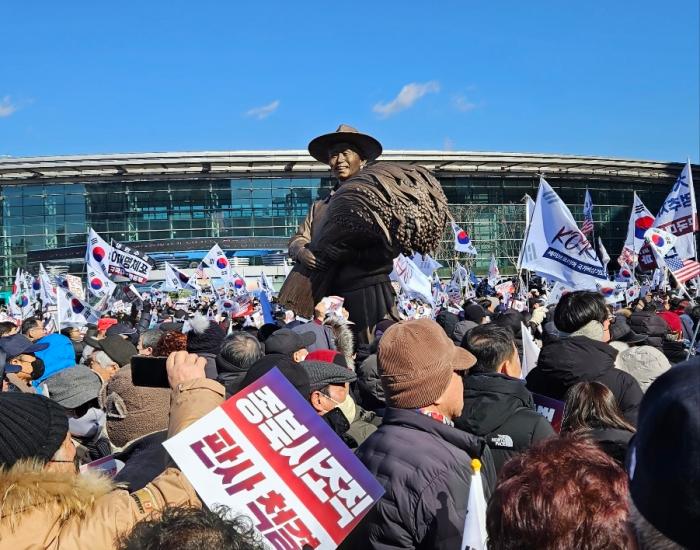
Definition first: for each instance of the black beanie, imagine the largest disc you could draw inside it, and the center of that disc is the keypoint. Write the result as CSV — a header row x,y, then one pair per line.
x,y
31,426
205,336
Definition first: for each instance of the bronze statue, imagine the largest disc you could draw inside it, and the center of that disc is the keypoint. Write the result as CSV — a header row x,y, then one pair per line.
x,y
347,243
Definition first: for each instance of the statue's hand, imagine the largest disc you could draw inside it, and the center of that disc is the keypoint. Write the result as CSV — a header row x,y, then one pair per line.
x,y
309,259
339,253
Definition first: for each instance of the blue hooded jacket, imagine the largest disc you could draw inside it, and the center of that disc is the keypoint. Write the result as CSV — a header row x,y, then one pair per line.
x,y
58,356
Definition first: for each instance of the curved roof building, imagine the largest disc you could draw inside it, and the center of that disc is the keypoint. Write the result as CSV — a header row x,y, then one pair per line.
x,y
176,205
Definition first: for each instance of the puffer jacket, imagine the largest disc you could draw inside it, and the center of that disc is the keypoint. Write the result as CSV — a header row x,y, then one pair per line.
x,y
563,363
370,385
61,510
230,375
501,410
425,469
649,323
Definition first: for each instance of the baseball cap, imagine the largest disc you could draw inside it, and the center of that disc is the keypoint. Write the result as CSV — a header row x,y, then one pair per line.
x,y
416,360
15,345
286,341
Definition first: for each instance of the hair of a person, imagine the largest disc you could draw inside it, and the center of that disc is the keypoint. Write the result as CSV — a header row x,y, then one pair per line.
x,y
103,359
150,338
29,323
66,331
561,493
651,306
591,405
6,327
491,345
170,341
241,349
649,537
578,308
192,528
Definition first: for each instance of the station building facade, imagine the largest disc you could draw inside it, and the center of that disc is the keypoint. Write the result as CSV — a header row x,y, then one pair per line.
x,y
175,206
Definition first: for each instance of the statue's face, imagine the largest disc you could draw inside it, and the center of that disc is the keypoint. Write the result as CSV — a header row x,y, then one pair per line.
x,y
344,160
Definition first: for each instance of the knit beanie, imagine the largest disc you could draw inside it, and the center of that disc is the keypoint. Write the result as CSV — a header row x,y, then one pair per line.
x,y
645,363
133,411
205,336
31,426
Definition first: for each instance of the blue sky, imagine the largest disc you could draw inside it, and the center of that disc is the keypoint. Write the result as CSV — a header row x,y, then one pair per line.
x,y
616,78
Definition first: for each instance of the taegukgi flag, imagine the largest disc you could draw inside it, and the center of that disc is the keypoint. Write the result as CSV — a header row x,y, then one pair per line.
x,y
556,248
178,280
48,289
98,284
216,260
678,216
640,220
98,252
462,241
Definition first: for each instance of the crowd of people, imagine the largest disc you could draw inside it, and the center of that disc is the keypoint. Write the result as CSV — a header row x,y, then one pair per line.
x,y
433,407
416,405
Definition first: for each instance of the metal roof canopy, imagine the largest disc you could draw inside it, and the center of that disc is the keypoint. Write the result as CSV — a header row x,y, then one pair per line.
x,y
280,164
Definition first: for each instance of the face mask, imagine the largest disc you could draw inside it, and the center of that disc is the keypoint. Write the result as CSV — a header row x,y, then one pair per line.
x,y
88,425
347,407
38,368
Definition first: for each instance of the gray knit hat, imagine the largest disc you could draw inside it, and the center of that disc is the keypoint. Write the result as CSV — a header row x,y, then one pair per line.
x,y
321,374
31,426
74,386
645,363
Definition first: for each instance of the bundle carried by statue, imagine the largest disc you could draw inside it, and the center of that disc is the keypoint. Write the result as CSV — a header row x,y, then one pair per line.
x,y
400,206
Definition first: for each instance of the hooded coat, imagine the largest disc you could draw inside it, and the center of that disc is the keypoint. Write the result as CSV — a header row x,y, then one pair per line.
x,y
566,362
41,509
57,510
501,410
649,323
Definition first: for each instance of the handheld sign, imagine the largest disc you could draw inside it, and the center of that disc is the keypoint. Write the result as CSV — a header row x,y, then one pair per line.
x,y
551,409
267,454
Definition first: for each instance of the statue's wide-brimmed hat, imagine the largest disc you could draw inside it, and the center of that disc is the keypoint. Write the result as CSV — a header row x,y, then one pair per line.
x,y
369,147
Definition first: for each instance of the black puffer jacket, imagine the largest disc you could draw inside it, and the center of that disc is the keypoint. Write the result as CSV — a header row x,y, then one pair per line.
x,y
613,441
230,375
370,385
500,409
425,469
580,359
649,323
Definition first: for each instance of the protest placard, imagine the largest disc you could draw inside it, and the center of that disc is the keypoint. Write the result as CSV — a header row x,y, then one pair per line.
x,y
551,409
267,454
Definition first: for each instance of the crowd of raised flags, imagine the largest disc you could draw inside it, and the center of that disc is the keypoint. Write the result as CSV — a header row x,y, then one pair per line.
x,y
656,250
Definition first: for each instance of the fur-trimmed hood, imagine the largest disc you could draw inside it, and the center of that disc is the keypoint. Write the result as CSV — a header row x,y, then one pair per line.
x,y
27,486
344,339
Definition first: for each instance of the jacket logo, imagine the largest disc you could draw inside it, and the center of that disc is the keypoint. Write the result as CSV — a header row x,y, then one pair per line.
x,y
502,441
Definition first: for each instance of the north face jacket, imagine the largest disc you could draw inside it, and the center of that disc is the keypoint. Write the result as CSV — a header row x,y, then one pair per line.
x,y
500,409
425,469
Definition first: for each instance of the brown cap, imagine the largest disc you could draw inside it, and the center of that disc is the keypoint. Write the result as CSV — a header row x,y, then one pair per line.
x,y
416,361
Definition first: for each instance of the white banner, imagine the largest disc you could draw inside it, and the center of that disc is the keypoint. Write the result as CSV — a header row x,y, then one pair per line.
x,y
555,246
412,280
